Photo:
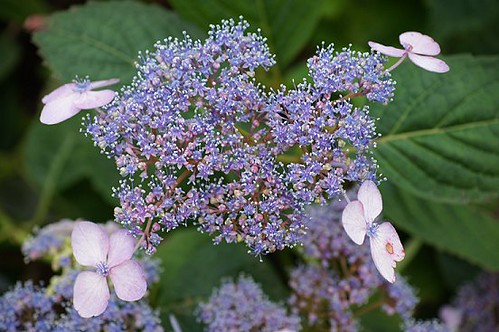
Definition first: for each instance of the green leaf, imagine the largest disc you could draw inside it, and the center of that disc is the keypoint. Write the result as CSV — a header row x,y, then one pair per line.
x,y
440,135
59,156
287,24
456,229
193,266
102,39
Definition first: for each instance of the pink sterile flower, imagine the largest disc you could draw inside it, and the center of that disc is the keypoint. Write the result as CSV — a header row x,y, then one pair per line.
x,y
110,256
419,48
69,99
358,220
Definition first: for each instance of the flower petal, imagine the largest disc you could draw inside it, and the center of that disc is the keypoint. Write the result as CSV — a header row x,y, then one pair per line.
x,y
429,63
371,199
59,109
129,280
60,92
354,222
386,250
387,50
420,43
100,84
121,247
93,99
90,243
90,294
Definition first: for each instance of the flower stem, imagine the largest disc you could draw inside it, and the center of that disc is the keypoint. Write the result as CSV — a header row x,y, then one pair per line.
x,y
396,64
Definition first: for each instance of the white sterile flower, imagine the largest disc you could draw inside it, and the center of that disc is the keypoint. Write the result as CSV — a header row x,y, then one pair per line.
x,y
358,220
69,99
419,48
109,256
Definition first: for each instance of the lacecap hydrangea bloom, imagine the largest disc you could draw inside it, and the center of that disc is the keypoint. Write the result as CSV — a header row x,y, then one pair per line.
x,y
196,138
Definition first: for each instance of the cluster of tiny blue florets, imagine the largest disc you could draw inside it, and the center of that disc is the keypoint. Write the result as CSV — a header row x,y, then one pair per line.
x,y
242,306
478,304
31,308
196,138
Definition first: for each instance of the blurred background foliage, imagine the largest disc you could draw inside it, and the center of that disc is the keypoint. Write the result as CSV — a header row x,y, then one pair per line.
x,y
443,194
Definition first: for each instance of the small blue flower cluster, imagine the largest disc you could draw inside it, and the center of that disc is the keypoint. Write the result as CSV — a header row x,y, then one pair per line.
x,y
242,306
30,308
26,308
478,303
426,326
195,137
50,241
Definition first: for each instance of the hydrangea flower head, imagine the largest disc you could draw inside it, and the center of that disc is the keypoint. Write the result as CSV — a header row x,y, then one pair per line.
x,y
358,220
420,49
69,99
110,256
209,142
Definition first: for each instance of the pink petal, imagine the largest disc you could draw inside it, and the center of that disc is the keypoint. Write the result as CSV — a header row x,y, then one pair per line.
x,y
60,92
387,50
386,250
129,280
90,294
59,109
121,247
429,63
389,235
93,99
371,199
90,243
420,43
353,221
100,84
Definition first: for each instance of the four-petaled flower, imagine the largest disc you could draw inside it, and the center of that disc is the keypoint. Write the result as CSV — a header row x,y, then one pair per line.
x,y
358,220
419,48
69,99
110,256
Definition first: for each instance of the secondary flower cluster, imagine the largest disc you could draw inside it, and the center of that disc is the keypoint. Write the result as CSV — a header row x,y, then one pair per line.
x,y
31,308
330,292
330,289
195,137
242,306
476,305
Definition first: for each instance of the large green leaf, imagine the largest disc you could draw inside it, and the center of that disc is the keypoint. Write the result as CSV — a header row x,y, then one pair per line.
x,y
59,156
459,230
287,24
102,39
193,266
440,135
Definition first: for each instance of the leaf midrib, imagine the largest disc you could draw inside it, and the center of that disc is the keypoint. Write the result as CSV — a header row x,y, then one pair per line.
x,y
436,131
